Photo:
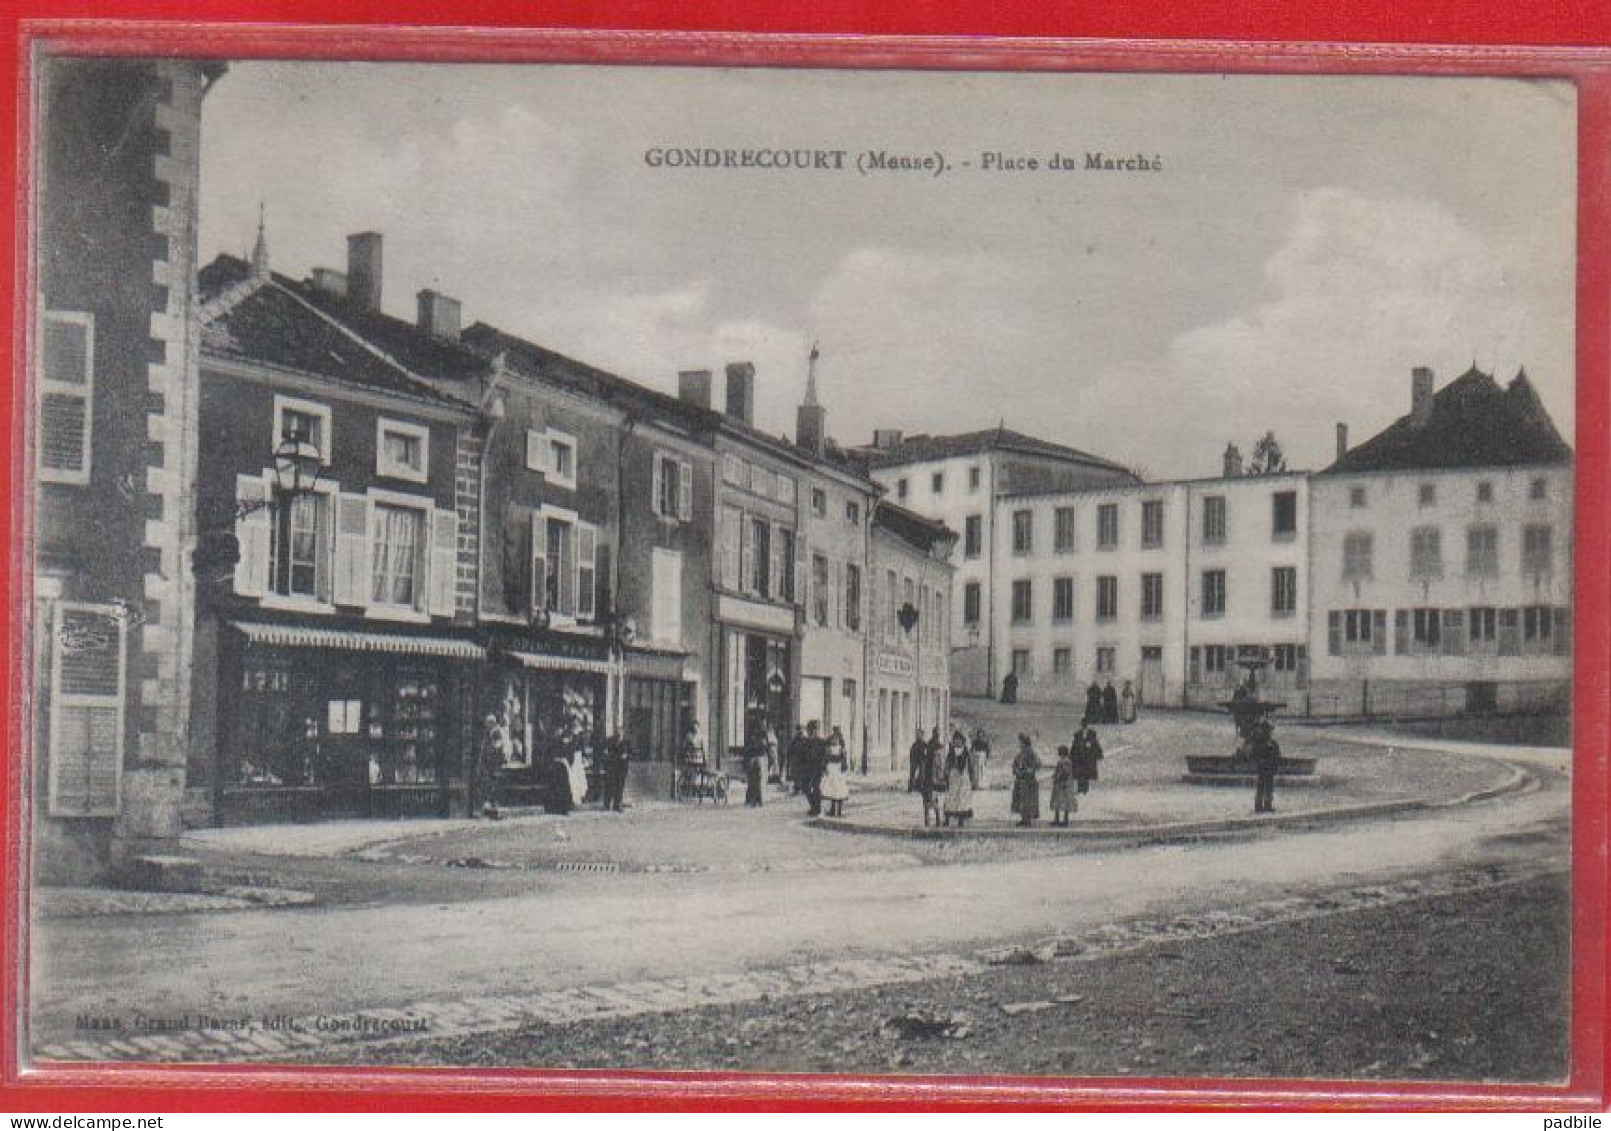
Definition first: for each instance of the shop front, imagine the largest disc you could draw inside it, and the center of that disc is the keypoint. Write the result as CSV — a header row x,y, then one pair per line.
x,y
758,661
330,722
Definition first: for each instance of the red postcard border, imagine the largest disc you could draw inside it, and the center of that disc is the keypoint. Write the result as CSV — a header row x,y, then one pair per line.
x,y
120,1087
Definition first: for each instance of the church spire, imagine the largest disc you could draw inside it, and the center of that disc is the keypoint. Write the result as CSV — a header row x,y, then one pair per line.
x,y
811,377
260,256
811,419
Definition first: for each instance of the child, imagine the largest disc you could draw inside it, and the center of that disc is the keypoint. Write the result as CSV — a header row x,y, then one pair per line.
x,y
1064,799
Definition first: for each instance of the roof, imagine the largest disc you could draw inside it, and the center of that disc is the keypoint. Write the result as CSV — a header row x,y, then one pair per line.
x,y
1474,423
924,448
909,526
274,324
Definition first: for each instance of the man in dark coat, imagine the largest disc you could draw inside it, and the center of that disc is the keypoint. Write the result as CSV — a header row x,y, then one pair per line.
x,y
1110,704
813,761
614,772
917,756
1266,761
1009,688
1085,752
1093,704
482,787
793,756
754,763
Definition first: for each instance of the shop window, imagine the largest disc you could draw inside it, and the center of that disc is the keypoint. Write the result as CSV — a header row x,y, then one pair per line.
x,y
66,390
402,451
88,678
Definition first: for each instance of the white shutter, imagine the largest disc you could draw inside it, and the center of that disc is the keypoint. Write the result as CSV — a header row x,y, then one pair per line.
x,y
777,565
685,485
746,553
539,561
802,571
659,485
536,451
444,562
253,527
88,666
587,537
353,568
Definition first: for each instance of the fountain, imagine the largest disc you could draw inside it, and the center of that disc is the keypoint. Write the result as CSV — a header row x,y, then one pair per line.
x,y
1251,715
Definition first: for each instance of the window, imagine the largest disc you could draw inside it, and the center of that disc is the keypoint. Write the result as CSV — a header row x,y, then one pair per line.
x,y
1356,497
553,454
1023,533
1485,492
1536,625
1357,631
402,451
88,675
1537,550
973,479
1284,515
1213,520
970,603
1062,660
1062,598
1359,626
783,542
1213,592
1357,550
1286,657
760,555
1152,596
1152,518
1427,495
1107,598
301,565
1107,526
1106,660
1482,551
1283,591
66,387
1426,629
1022,602
820,596
1481,624
1020,661
733,471
308,421
900,488
1538,489
1426,552
554,563
1063,530
819,502
673,488
937,483
972,536
665,617
853,597
853,512
1214,659
397,539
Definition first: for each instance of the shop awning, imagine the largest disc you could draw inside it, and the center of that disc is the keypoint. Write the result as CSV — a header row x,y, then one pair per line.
x,y
541,663
349,640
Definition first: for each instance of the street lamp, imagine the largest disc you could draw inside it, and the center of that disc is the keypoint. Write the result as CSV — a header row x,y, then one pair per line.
x,y
297,467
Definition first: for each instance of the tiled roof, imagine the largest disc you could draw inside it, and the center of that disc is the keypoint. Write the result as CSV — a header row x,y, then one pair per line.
x,y
1474,423
273,326
923,448
909,526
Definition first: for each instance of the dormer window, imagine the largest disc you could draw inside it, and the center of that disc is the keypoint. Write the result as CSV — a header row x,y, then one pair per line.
x,y
402,450
554,454
307,421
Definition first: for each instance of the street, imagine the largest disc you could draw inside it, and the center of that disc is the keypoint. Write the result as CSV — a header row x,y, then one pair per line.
x,y
554,926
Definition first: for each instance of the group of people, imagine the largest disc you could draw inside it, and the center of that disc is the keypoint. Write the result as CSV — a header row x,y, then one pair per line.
x,y
1105,705
568,776
947,776
813,765
1076,769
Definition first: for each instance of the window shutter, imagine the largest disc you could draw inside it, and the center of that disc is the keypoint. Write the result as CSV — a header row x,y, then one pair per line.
x,y
444,562
1562,636
253,529
1378,631
1454,632
324,561
88,662
67,350
587,538
746,553
729,535
659,485
685,491
1401,632
353,569
802,570
1509,632
778,566
539,561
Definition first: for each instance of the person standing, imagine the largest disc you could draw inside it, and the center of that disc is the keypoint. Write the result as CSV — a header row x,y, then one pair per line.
x,y
1127,703
794,758
1266,762
1110,704
614,767
754,764
1064,798
1093,704
1085,753
774,772
1009,688
813,762
480,795
915,757
927,775
1025,783
835,787
981,756
962,778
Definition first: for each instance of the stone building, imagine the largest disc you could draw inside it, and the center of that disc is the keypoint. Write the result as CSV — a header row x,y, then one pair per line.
x,y
113,362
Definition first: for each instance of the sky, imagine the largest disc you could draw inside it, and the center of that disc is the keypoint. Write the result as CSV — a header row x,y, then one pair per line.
x,y
1306,242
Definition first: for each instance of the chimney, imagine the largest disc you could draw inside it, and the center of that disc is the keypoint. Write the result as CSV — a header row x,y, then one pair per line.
x,y
1233,461
886,438
741,391
693,387
1420,395
329,282
364,270
438,314
1342,440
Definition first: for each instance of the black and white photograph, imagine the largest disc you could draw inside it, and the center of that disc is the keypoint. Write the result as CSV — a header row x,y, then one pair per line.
x,y
881,573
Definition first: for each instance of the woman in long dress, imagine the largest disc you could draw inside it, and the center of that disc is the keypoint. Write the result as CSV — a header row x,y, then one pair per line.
x,y
1025,784
835,783
1064,798
962,777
